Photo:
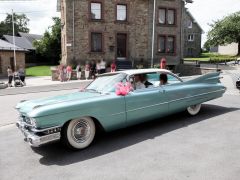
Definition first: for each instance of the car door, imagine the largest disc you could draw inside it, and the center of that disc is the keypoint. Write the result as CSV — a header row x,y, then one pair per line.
x,y
145,104
176,93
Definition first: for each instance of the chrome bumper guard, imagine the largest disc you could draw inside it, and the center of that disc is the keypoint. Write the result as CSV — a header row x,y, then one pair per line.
x,y
35,140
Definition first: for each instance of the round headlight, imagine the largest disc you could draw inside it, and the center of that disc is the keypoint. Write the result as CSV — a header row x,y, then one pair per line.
x,y
33,122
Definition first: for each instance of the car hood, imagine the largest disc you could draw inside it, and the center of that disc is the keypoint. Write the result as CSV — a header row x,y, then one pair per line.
x,y
27,106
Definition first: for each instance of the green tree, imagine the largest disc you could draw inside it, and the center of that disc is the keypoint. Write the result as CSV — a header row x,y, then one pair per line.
x,y
50,45
20,24
225,31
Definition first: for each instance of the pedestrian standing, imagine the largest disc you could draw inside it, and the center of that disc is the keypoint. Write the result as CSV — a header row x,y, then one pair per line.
x,y
98,66
102,66
60,72
21,73
69,72
93,69
113,66
79,71
10,76
87,70
163,63
64,72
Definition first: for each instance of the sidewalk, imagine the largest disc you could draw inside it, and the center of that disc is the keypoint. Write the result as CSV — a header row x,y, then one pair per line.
x,y
42,81
43,84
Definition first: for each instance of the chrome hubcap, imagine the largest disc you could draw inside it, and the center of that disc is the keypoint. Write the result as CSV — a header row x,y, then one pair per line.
x,y
81,131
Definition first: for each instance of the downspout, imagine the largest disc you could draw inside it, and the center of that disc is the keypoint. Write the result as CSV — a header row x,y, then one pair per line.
x,y
181,36
73,19
14,46
153,30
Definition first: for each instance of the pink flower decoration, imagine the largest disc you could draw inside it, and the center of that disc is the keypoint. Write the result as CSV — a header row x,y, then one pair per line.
x,y
123,90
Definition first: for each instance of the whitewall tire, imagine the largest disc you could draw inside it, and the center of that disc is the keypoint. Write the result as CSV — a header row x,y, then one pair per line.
x,y
79,133
194,109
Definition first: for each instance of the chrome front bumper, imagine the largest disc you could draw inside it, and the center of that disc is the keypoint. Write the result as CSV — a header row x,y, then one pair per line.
x,y
36,140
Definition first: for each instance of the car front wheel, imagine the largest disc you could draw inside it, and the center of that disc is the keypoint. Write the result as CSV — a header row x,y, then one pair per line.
x,y
194,109
79,133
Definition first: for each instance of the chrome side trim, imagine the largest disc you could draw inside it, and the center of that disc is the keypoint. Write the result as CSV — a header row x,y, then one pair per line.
x,y
197,95
146,107
176,100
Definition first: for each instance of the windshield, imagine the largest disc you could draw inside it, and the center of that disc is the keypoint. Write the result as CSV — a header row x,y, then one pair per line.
x,y
106,83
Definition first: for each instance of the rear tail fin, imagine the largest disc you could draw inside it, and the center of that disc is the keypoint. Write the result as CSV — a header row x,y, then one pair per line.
x,y
210,78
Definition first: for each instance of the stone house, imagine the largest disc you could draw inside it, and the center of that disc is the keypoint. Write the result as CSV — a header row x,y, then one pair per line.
x,y
122,30
7,56
192,36
25,41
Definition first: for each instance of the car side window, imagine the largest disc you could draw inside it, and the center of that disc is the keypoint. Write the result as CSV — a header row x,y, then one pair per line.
x,y
172,79
154,79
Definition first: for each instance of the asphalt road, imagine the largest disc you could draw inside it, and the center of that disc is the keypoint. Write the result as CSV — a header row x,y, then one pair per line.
x,y
206,146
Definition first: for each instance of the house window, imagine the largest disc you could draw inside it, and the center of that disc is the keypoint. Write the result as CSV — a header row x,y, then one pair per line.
x,y
121,12
96,42
166,16
171,16
162,42
190,37
189,24
170,44
162,16
190,52
96,11
166,44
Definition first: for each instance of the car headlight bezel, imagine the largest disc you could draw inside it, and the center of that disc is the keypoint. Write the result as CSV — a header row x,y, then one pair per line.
x,y
33,122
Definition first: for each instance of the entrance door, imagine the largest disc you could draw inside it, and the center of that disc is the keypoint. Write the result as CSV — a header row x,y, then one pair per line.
x,y
121,46
12,63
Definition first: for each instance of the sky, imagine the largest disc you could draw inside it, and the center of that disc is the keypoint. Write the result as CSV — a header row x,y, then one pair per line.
x,y
40,12
207,11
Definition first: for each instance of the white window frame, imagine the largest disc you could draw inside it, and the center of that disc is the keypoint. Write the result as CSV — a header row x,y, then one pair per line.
x,y
191,37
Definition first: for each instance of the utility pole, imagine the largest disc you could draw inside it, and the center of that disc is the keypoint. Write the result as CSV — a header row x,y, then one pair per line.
x,y
14,48
153,31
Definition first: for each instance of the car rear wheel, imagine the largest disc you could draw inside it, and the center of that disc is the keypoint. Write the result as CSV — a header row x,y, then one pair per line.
x,y
194,109
79,133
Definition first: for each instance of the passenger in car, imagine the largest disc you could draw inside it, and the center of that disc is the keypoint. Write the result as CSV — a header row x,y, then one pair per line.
x,y
143,78
138,83
163,79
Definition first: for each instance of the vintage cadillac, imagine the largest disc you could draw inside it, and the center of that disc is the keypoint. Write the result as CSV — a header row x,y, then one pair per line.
x,y
74,118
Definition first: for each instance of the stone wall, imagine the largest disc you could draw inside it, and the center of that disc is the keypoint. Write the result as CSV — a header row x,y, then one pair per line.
x,y
5,57
138,29
190,70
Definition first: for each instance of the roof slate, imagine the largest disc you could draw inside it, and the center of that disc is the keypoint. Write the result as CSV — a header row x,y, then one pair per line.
x,y
20,41
4,45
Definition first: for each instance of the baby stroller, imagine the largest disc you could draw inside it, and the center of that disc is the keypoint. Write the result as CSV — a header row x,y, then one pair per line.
x,y
17,81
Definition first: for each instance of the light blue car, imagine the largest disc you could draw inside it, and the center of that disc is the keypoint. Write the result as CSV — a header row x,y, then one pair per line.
x,y
74,118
